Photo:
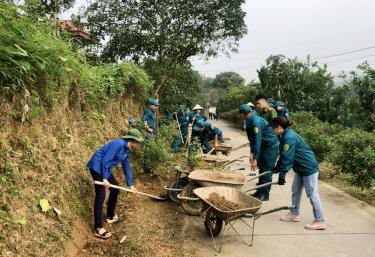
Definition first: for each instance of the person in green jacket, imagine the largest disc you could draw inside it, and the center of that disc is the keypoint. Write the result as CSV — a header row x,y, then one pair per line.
x,y
264,147
296,154
264,110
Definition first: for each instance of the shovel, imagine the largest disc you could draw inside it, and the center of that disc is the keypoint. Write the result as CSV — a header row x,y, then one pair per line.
x,y
162,199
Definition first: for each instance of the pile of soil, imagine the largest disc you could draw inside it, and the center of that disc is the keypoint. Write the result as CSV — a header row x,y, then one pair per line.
x,y
222,203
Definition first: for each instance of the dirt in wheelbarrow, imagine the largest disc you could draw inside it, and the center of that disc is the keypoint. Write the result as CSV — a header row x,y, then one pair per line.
x,y
222,203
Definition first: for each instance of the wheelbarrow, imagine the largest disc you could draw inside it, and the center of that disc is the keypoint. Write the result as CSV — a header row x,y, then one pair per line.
x,y
208,178
215,216
180,182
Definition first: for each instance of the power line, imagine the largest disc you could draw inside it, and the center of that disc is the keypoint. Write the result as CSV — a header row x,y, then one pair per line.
x,y
344,53
318,58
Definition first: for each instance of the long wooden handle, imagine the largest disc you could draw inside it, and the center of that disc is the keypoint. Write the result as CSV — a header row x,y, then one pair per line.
x,y
179,129
128,190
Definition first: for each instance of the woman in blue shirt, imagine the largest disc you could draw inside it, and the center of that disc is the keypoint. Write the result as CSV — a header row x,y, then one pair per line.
x,y
296,154
101,165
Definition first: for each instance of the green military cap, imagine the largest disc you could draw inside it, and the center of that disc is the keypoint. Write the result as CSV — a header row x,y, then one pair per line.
x,y
134,134
244,109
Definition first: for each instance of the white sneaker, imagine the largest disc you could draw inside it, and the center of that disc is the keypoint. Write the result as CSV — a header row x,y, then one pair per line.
x,y
290,217
113,220
316,225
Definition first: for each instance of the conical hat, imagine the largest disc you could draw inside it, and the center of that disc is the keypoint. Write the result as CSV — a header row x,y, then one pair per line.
x,y
197,107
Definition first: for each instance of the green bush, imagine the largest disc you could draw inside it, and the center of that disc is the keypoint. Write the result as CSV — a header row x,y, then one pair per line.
x,y
157,152
232,116
33,58
317,134
356,156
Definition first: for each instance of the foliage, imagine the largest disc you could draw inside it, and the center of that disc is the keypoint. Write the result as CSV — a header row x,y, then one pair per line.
x,y
157,152
356,156
182,85
48,7
32,58
166,29
355,100
193,151
226,80
237,95
351,150
301,85
317,134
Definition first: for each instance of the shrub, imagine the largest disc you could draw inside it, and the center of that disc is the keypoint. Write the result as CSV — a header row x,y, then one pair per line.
x,y
356,156
157,152
317,134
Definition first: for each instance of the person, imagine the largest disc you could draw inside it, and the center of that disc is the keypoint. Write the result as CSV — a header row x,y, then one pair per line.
x,y
296,154
211,113
264,110
263,148
206,132
196,115
149,117
252,106
282,110
132,123
183,122
101,165
271,102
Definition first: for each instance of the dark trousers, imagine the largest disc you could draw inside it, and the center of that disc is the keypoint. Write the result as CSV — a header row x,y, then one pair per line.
x,y
267,161
99,199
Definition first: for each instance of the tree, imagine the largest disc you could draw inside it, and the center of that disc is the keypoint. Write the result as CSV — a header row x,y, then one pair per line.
x,y
52,8
225,80
302,85
363,86
174,29
181,87
237,95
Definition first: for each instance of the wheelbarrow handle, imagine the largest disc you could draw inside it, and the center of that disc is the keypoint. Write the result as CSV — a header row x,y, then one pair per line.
x,y
261,186
259,214
261,174
187,198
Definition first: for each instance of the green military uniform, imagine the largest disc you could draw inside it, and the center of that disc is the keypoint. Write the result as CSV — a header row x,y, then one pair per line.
x,y
268,115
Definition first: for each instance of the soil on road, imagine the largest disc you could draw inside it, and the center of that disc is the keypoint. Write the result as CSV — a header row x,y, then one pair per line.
x,y
350,232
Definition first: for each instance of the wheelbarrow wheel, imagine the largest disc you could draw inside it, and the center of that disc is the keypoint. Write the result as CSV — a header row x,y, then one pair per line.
x,y
176,184
192,207
213,224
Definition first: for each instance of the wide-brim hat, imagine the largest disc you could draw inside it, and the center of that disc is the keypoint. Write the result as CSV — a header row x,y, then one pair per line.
x,y
134,134
197,107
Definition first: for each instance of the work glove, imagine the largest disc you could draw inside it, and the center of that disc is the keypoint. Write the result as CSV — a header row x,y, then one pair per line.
x,y
281,181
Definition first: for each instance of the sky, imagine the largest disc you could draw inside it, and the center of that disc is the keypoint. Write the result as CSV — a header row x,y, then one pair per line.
x,y
296,28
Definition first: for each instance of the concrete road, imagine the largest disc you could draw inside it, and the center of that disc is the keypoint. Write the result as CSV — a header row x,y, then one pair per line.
x,y
350,232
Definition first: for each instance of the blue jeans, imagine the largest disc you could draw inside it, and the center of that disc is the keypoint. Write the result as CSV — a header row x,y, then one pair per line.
x,y
311,186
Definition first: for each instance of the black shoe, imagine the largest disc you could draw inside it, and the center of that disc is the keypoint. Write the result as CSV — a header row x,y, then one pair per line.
x,y
256,194
263,198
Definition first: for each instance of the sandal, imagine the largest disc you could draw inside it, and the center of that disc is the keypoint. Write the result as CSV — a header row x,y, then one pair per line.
x,y
113,220
103,235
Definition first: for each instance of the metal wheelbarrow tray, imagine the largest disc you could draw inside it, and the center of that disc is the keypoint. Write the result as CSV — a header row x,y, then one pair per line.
x,y
208,178
214,216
